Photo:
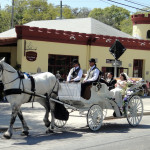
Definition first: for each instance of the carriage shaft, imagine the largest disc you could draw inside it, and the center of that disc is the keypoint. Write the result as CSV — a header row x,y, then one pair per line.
x,y
54,100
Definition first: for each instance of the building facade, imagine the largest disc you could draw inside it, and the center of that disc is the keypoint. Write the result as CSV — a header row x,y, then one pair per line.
x,y
53,50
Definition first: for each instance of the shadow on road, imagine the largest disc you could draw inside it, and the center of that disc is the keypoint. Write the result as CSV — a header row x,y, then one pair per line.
x,y
70,132
112,128
38,138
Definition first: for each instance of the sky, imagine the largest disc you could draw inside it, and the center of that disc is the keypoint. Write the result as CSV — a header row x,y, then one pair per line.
x,y
94,3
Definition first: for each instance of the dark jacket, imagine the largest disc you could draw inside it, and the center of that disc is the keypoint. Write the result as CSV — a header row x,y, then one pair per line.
x,y
110,84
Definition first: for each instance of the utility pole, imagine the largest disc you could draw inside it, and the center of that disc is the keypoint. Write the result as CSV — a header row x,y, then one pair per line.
x,y
60,9
12,15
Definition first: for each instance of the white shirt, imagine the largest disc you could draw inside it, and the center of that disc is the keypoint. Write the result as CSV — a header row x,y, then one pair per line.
x,y
95,76
79,76
121,84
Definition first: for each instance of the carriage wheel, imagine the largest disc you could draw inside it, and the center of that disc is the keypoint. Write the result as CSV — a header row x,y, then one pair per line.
x,y
59,123
95,117
134,110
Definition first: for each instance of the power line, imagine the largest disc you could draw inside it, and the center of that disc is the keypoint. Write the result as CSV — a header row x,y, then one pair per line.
x,y
143,2
128,6
111,4
106,2
136,3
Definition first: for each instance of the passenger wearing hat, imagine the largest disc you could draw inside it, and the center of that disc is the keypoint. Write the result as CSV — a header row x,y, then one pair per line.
x,y
92,75
75,73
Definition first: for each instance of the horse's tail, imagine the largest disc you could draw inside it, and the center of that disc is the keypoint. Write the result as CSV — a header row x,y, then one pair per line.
x,y
55,88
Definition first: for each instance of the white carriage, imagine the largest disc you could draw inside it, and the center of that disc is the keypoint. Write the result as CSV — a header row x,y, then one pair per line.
x,y
95,108
20,89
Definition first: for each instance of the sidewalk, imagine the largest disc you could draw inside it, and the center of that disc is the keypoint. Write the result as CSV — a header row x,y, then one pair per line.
x,y
146,103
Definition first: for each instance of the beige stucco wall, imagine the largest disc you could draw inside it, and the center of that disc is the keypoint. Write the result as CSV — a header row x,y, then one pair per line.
x,y
140,31
102,53
13,51
130,54
20,50
46,48
84,52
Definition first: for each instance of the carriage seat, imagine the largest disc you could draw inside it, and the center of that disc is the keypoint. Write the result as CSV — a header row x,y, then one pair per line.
x,y
69,91
87,92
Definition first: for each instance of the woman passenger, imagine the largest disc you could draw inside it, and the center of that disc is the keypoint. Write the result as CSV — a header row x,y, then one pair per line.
x,y
119,89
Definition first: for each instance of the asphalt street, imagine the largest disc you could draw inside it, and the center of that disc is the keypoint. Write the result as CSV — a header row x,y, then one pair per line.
x,y
75,134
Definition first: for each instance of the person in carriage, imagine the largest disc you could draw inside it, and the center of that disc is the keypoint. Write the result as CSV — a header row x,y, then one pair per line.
x,y
75,73
92,76
119,89
110,81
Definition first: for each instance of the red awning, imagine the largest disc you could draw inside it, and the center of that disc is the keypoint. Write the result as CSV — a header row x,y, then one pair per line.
x,y
8,41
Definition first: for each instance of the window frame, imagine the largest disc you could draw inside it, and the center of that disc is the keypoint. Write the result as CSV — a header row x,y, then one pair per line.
x,y
64,66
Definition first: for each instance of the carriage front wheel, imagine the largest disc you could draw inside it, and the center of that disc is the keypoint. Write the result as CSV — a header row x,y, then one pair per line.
x,y
134,110
95,117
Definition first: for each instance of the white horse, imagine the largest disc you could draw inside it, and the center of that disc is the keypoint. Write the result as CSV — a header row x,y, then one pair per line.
x,y
44,83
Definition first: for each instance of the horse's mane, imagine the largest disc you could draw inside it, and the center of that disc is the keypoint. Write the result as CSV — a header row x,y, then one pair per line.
x,y
8,67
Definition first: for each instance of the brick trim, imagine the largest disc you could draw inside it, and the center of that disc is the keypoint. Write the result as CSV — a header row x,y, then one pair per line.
x,y
60,36
140,19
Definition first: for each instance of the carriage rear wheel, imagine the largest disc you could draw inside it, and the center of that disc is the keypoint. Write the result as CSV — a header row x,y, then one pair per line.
x,y
134,110
59,123
95,117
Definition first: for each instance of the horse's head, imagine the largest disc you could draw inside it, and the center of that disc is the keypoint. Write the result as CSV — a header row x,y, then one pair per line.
x,y
4,67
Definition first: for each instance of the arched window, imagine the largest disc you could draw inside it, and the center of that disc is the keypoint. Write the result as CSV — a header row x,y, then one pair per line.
x,y
148,34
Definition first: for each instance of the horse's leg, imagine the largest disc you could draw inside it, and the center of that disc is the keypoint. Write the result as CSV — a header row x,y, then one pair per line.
x,y
52,107
45,104
46,116
8,133
24,124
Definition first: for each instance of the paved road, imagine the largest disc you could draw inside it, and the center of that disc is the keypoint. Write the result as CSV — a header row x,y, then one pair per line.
x,y
114,133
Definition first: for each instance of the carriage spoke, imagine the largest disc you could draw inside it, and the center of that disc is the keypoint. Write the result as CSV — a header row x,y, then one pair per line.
x,y
134,110
60,123
95,117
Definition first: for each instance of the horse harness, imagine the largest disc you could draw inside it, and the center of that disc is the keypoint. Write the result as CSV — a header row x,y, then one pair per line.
x,y
19,90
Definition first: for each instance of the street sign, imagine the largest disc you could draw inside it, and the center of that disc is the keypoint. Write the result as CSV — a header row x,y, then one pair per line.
x,y
110,61
117,49
118,63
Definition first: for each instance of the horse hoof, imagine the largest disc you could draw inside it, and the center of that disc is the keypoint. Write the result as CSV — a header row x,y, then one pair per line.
x,y
27,128
7,136
25,133
47,124
49,131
